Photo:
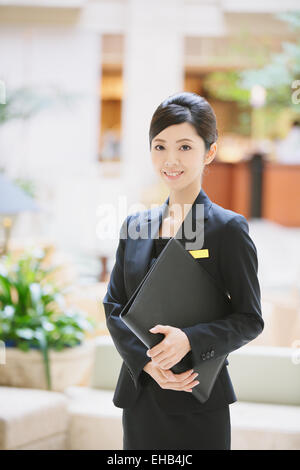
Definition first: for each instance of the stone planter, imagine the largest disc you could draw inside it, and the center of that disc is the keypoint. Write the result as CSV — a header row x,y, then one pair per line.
x,y
71,366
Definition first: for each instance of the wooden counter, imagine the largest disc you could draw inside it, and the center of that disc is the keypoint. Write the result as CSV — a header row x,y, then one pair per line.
x,y
230,186
281,194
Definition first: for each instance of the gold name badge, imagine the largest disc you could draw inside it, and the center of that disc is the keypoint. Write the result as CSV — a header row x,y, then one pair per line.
x,y
200,253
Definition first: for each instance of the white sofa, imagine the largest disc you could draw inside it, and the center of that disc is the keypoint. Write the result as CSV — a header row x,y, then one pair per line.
x,y
266,415
267,384
32,419
95,423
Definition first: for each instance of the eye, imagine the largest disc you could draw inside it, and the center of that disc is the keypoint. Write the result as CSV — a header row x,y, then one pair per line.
x,y
185,145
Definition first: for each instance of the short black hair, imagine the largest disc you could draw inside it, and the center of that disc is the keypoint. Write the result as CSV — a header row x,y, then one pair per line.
x,y
186,107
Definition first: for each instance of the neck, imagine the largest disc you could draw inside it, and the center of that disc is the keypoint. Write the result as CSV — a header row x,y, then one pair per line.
x,y
185,196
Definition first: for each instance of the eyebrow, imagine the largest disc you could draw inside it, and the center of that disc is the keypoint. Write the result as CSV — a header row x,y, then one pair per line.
x,y
180,140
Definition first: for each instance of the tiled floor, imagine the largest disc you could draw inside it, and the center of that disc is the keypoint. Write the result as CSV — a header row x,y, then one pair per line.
x,y
278,250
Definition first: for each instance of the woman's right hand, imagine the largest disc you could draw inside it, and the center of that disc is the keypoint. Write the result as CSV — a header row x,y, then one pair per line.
x,y
166,379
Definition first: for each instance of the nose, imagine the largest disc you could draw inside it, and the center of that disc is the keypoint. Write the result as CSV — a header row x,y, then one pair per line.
x,y
172,160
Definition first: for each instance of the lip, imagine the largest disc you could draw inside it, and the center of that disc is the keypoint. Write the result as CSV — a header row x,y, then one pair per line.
x,y
172,177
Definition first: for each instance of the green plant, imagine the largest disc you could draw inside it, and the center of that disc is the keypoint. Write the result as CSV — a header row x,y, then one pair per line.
x,y
32,308
276,75
281,70
225,86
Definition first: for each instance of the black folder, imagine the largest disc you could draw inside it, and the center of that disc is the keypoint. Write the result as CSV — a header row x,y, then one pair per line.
x,y
179,292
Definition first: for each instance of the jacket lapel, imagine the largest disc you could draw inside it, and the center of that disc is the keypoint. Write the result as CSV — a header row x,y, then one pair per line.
x,y
139,251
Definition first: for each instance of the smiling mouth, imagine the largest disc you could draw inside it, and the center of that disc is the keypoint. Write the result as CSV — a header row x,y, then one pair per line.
x,y
173,175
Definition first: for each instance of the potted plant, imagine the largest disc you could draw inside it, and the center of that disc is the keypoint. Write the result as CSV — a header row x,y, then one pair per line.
x,y
45,345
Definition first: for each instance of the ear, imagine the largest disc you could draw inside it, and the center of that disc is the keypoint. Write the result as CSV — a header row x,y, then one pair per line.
x,y
211,153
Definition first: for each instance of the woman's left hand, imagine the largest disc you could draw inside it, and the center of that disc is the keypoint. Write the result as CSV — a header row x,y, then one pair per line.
x,y
171,349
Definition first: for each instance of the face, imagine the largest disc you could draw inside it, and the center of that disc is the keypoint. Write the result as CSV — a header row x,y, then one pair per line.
x,y
180,150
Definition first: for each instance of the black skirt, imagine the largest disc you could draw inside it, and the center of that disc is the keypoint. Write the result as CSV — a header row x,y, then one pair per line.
x,y
147,426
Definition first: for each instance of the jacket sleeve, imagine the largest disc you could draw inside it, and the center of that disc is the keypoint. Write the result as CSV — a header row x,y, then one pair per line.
x,y
129,346
238,265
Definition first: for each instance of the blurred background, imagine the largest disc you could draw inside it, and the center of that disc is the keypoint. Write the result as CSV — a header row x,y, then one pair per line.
x,y
79,82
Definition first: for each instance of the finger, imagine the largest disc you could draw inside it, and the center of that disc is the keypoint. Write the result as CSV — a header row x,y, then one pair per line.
x,y
179,386
192,378
190,389
172,385
168,374
186,383
190,385
166,363
160,328
165,382
189,379
183,375
153,352
161,356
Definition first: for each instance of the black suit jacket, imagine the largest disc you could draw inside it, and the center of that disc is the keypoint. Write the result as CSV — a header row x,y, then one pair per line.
x,y
232,262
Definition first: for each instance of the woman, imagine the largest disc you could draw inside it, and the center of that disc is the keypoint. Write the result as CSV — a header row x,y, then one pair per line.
x,y
159,408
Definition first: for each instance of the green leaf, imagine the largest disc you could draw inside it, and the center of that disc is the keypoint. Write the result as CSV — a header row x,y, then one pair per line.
x,y
24,346
5,286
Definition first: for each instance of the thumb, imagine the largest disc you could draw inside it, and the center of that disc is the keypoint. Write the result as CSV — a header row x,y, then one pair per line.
x,y
159,328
